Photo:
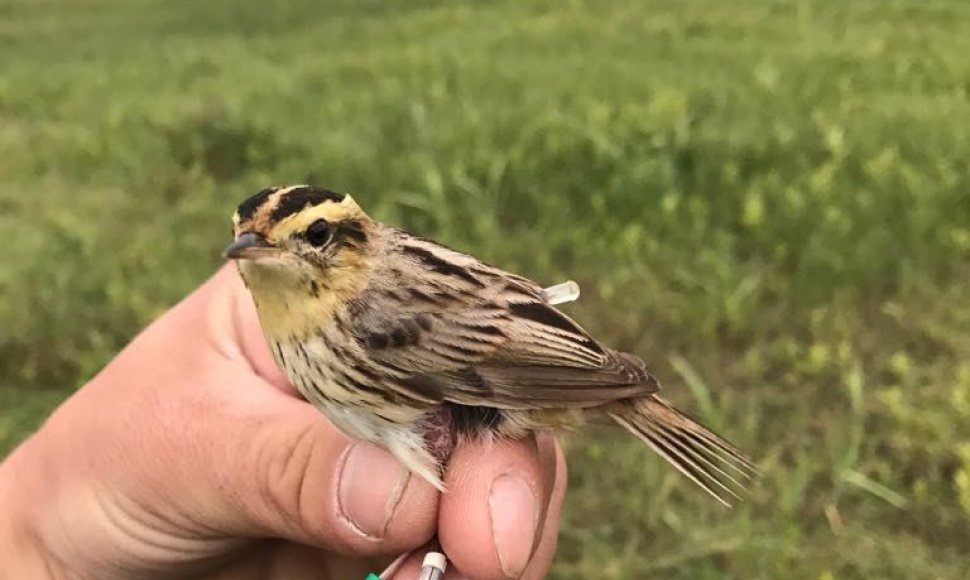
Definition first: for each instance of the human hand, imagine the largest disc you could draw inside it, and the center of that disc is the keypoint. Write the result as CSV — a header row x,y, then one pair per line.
x,y
190,455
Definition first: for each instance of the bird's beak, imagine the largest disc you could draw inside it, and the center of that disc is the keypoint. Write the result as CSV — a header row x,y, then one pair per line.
x,y
250,246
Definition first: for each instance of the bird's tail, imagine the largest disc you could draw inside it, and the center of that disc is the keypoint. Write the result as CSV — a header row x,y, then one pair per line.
x,y
704,457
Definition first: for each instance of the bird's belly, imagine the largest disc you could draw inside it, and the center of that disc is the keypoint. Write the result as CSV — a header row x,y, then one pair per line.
x,y
319,377
355,423
353,417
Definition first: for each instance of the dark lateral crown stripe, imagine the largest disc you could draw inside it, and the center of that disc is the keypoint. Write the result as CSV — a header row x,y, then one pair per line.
x,y
294,200
247,208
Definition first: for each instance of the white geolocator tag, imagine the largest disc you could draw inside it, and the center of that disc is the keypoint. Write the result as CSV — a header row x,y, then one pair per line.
x,y
561,293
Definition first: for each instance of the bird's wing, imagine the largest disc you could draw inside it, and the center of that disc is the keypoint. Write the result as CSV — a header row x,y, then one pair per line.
x,y
485,337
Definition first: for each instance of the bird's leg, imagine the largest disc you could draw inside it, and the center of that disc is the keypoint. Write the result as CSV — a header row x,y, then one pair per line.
x,y
439,440
439,434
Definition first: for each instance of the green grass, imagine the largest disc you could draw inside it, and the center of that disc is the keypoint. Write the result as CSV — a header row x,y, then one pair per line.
x,y
768,200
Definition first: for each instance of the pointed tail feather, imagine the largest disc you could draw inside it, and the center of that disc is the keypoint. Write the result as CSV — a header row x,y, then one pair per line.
x,y
705,458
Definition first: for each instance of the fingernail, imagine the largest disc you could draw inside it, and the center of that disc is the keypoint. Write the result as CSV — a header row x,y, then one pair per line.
x,y
372,483
514,511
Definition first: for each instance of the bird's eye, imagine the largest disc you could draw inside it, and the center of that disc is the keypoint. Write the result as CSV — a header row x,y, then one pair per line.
x,y
318,233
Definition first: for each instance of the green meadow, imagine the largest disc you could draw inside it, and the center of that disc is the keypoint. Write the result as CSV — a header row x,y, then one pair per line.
x,y
767,200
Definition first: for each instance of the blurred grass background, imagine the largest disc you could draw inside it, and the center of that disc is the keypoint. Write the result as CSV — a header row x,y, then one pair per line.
x,y
769,200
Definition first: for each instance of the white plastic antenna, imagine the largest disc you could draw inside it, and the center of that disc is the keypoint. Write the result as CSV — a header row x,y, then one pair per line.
x,y
561,293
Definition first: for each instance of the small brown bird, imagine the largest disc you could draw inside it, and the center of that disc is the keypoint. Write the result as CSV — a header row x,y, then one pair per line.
x,y
413,346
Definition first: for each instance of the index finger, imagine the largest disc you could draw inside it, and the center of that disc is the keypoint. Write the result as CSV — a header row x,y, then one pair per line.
x,y
550,456
495,514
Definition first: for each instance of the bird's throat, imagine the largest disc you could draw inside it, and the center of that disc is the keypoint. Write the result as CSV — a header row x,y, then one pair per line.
x,y
291,306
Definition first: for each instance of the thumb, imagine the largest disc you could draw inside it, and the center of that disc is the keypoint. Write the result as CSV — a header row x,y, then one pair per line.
x,y
178,449
294,476
288,471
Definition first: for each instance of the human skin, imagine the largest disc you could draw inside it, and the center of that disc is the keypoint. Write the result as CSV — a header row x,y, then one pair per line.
x,y
191,456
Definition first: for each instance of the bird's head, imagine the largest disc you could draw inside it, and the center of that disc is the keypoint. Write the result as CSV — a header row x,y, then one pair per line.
x,y
301,250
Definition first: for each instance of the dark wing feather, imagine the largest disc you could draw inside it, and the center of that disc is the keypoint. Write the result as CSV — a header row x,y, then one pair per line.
x,y
486,337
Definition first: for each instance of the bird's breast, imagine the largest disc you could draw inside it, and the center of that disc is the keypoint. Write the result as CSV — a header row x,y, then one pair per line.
x,y
333,375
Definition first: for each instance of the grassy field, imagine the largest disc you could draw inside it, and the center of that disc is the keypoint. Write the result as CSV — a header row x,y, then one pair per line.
x,y
769,200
